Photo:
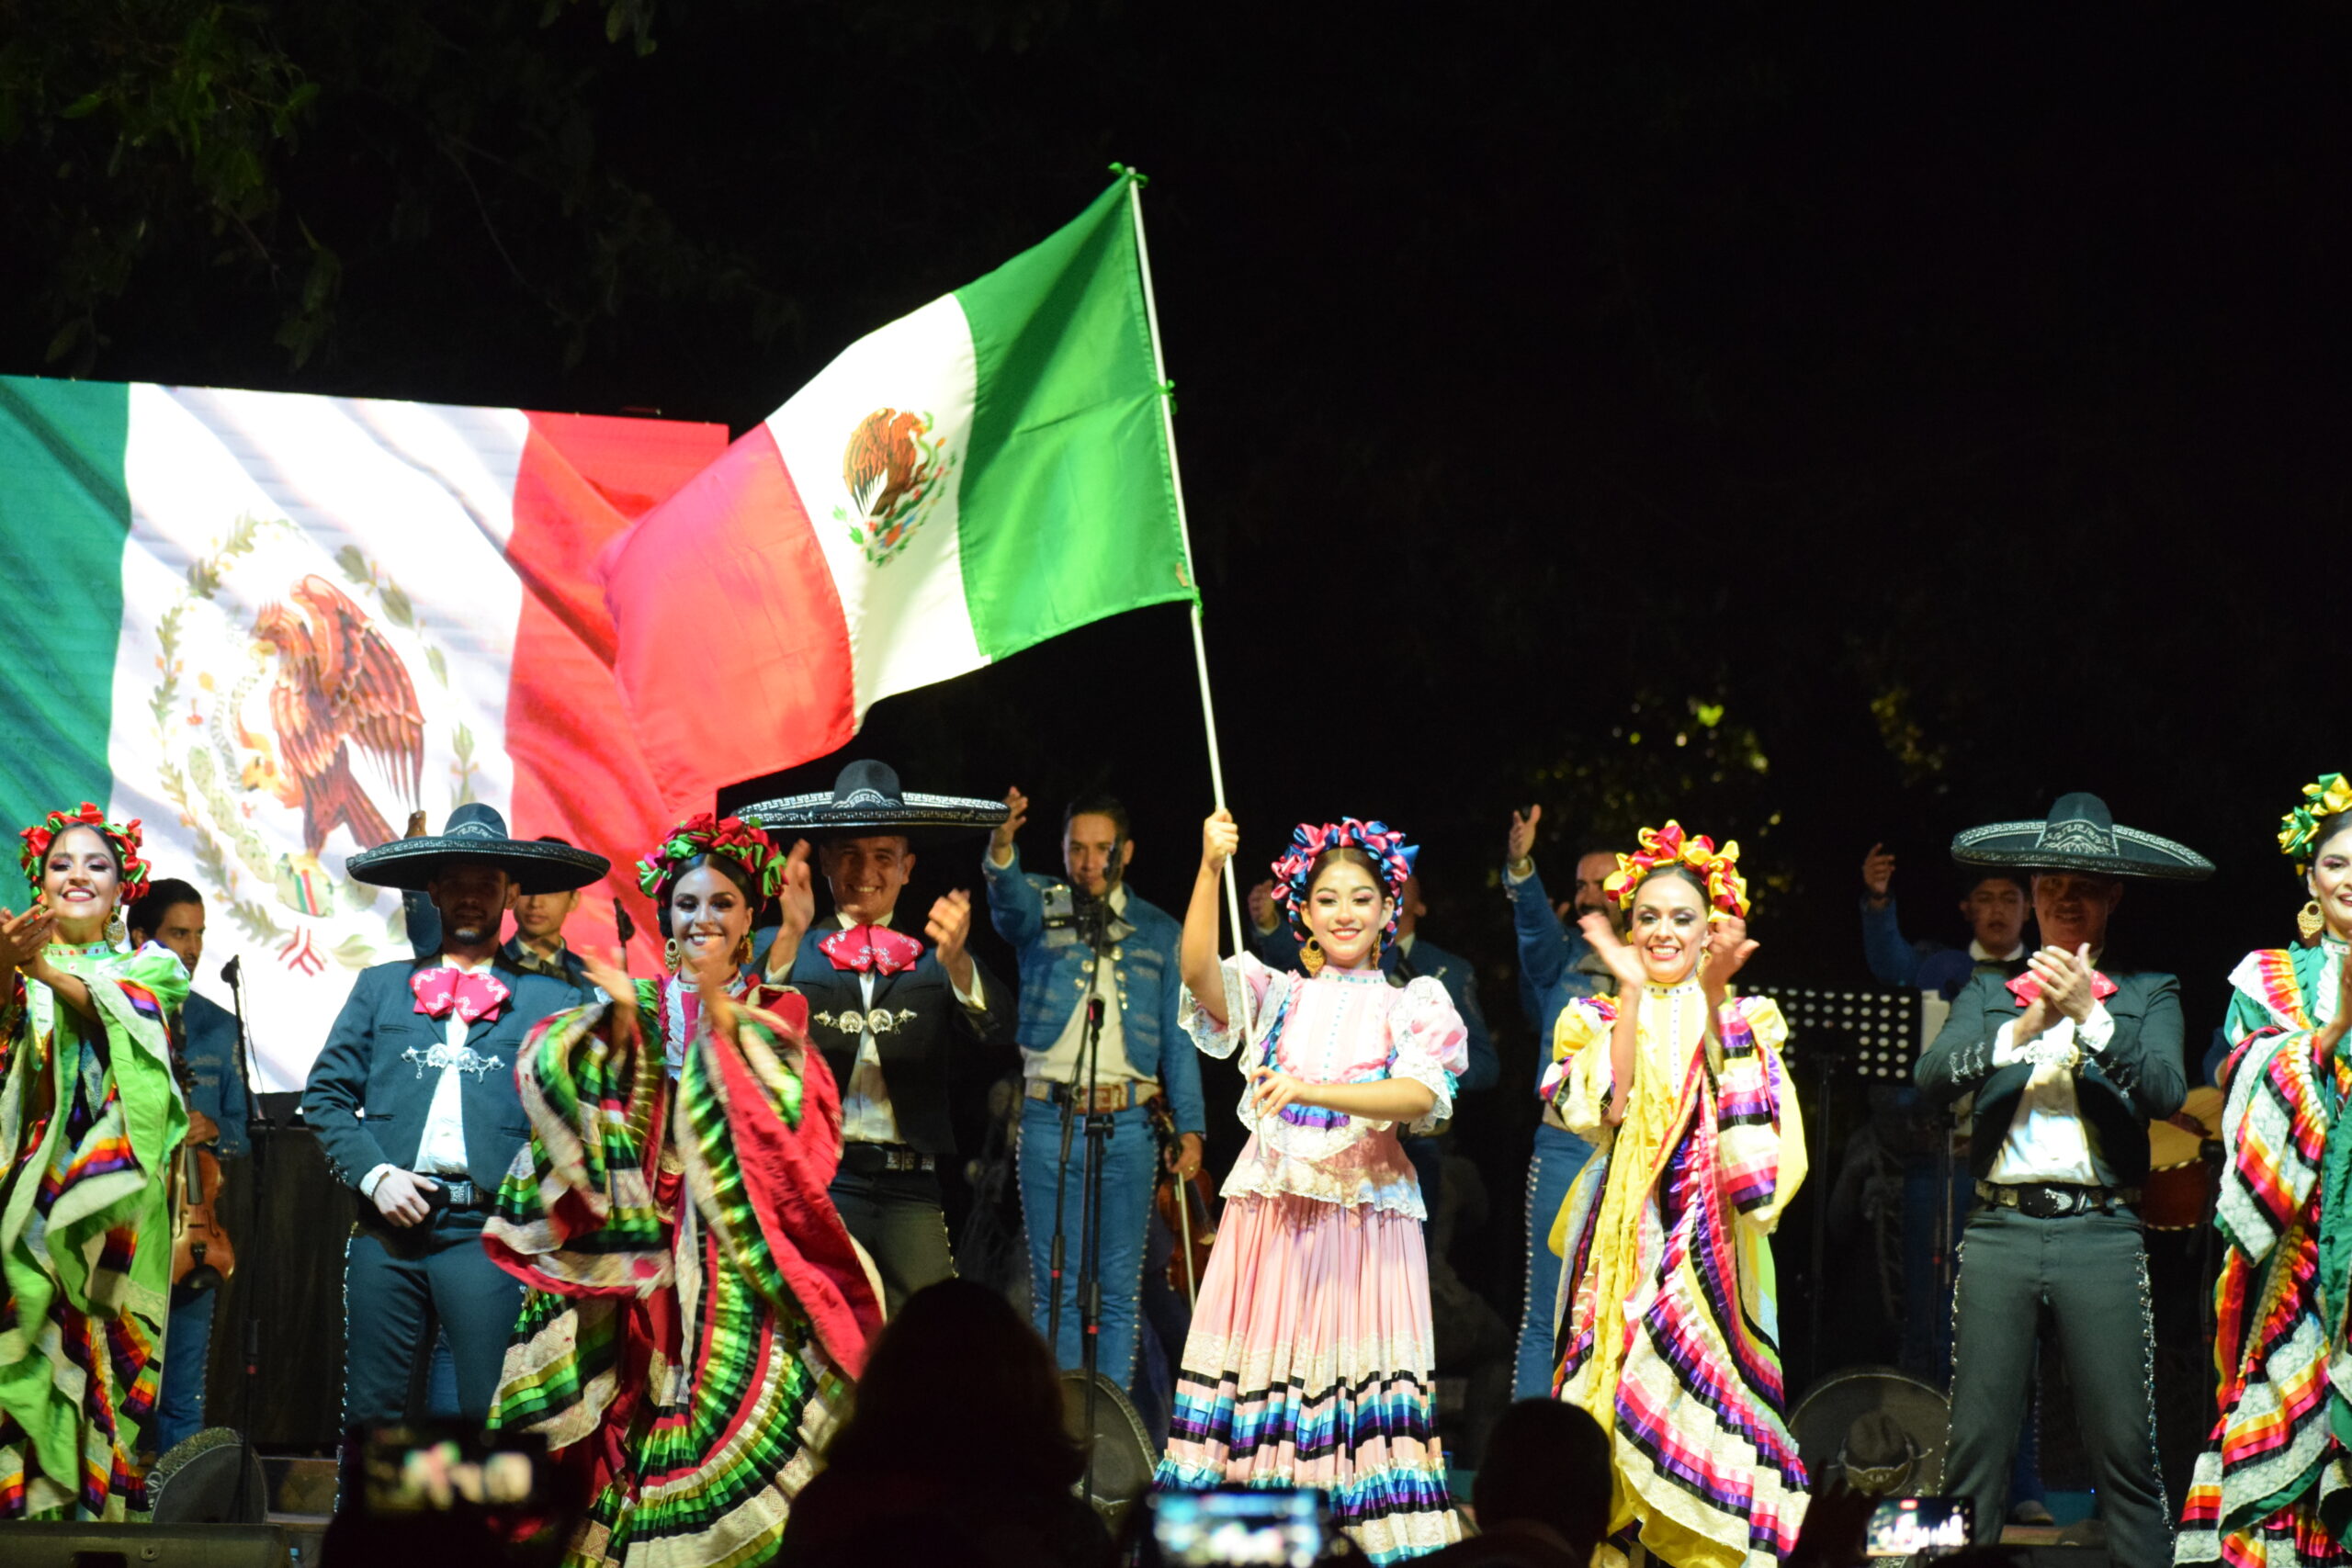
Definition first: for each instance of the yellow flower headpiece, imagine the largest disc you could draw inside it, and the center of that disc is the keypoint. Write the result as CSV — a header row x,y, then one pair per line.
x,y
1718,869
2299,830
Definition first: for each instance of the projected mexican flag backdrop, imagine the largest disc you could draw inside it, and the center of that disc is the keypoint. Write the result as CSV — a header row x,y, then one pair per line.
x,y
985,473
271,625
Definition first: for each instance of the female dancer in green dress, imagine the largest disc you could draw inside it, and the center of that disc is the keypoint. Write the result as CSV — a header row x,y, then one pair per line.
x,y
697,1308
90,1116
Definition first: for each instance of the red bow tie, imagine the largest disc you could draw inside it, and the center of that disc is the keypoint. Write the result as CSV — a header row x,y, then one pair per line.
x,y
473,995
875,948
2028,986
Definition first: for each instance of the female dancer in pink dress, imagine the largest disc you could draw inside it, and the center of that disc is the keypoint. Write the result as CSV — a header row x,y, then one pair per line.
x,y
1308,1362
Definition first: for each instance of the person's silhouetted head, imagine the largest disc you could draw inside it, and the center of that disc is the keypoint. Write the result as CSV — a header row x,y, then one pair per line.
x,y
960,1381
1547,1463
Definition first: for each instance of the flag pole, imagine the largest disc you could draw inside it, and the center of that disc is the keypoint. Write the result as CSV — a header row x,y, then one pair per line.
x,y
1184,531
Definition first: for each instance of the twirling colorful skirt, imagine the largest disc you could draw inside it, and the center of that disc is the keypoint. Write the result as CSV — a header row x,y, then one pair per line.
x,y
696,1309
1308,1365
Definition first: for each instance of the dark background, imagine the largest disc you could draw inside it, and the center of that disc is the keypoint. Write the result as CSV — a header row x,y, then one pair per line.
x,y
1824,427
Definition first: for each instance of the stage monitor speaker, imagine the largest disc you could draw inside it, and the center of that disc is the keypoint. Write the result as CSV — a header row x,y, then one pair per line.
x,y
53,1545
196,1483
1123,1458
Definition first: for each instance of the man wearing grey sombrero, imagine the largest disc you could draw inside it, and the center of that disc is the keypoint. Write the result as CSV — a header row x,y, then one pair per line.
x,y
894,1019
2068,1063
413,1102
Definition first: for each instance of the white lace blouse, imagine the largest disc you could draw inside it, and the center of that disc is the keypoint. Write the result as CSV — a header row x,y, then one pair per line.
x,y
1338,1027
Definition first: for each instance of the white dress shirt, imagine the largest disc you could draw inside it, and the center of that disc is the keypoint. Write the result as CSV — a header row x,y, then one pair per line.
x,y
1064,1061
2047,1139
441,1151
866,1116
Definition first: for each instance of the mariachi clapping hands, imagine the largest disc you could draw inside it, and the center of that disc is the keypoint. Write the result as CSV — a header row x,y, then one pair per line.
x,y
1219,840
949,925
2066,980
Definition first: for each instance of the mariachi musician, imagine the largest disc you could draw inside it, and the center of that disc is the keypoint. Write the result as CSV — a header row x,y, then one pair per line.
x,y
893,1016
211,1077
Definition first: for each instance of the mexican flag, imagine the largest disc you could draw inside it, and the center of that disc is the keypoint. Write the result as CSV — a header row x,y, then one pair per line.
x,y
985,473
271,625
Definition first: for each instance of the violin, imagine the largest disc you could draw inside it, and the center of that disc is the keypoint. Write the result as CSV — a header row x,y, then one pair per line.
x,y
1187,1207
202,1257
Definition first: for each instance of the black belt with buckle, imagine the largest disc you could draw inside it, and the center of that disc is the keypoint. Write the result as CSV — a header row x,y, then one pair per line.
x,y
2055,1199
461,1195
868,1159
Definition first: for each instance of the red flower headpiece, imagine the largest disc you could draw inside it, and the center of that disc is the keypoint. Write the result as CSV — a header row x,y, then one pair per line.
x,y
1386,847
1719,869
730,837
124,840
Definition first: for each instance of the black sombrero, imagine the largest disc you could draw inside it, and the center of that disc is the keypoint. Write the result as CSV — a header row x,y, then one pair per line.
x,y
866,798
477,832
2080,834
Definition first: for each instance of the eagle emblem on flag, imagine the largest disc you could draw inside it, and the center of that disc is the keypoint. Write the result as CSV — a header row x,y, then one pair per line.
x,y
895,471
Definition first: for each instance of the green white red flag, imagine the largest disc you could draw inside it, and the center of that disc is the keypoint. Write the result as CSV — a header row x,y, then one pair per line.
x,y
974,479
271,625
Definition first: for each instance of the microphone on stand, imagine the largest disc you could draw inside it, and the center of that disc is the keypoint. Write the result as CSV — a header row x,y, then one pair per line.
x,y
232,974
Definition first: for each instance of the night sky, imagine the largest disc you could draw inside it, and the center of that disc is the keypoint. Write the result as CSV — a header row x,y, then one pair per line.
x,y
1947,402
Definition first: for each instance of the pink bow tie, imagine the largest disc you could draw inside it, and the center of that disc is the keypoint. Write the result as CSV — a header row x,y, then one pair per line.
x,y
473,995
878,948
2028,986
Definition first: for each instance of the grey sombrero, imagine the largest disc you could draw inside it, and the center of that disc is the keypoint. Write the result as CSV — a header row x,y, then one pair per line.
x,y
477,832
2080,834
866,798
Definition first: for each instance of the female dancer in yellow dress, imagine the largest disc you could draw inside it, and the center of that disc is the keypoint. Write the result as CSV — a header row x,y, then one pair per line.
x,y
1669,1315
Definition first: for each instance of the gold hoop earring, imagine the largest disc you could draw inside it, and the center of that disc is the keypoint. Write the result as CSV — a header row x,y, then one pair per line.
x,y
2310,921
1310,957
670,955
118,933
743,951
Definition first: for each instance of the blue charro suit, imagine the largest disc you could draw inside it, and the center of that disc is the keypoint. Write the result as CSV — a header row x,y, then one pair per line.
x,y
367,1100
1556,966
1035,914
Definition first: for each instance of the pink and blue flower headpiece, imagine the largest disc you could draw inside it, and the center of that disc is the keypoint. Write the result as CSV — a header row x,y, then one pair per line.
x,y
1309,842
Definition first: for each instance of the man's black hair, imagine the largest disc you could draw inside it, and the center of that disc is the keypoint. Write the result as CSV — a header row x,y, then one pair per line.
x,y
146,915
1099,803
2021,881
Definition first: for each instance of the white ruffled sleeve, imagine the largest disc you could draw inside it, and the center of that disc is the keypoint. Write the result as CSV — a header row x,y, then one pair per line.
x,y
1429,1043
1580,1079
1252,991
